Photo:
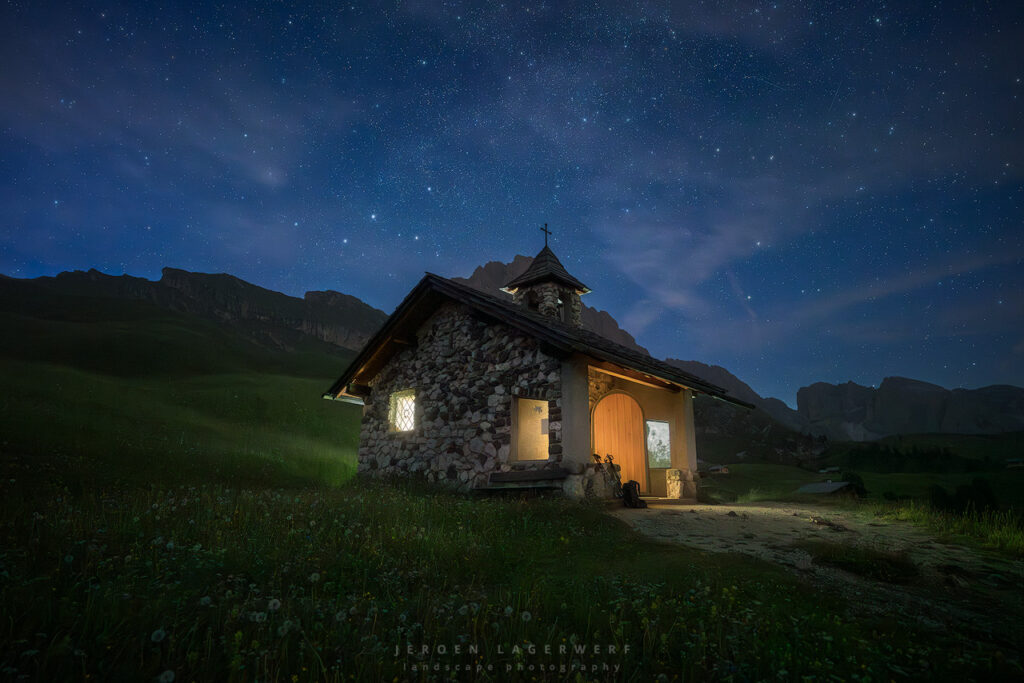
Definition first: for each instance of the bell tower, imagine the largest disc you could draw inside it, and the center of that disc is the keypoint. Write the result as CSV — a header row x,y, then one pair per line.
x,y
548,288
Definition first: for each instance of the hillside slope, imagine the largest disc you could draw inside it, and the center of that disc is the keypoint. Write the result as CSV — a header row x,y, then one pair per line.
x,y
102,386
269,318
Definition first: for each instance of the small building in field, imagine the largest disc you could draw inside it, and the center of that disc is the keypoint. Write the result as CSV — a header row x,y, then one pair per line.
x,y
479,391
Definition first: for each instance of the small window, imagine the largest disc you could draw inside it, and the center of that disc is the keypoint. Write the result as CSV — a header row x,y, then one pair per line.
x,y
530,433
659,448
402,410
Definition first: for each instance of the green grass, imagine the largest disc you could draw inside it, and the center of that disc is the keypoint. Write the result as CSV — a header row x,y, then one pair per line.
x,y
174,429
121,389
174,498
1001,530
871,563
996,447
751,482
217,582
1008,485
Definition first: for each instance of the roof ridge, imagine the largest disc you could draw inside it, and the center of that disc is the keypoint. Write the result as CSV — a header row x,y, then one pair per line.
x,y
545,266
565,338
573,330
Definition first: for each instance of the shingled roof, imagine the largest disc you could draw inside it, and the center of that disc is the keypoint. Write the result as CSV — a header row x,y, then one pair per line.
x,y
558,338
545,268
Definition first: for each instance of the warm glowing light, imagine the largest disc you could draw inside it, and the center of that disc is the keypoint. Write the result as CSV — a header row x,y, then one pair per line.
x,y
402,410
531,429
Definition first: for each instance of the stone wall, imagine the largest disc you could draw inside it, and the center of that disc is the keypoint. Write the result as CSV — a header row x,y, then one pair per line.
x,y
547,295
599,385
466,373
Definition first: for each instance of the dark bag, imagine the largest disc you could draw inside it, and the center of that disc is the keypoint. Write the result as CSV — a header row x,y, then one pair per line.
x,y
631,495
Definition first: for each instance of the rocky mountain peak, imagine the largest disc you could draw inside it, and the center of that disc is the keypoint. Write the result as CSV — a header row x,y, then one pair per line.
x,y
492,276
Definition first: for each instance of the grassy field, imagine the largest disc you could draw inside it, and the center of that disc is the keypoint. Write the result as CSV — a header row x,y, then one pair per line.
x,y
212,582
1001,530
177,504
220,427
119,388
750,482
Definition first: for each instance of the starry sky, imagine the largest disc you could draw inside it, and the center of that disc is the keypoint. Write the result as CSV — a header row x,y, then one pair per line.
x,y
797,191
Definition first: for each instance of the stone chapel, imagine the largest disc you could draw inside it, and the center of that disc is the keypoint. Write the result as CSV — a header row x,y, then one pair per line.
x,y
477,391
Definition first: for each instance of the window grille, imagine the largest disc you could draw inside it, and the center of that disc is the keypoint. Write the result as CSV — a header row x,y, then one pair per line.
x,y
402,410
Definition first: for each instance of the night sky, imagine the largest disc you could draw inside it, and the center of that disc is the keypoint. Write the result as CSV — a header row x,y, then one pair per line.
x,y
798,192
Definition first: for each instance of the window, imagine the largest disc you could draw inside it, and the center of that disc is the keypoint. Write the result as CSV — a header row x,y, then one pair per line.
x,y
530,430
402,410
659,448
533,300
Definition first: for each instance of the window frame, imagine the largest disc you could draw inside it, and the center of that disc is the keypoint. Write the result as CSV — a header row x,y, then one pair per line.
x,y
393,399
647,448
514,455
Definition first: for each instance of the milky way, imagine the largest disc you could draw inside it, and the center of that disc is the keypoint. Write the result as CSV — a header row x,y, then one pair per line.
x,y
797,192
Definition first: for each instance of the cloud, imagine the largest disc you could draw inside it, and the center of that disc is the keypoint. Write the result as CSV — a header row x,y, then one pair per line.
x,y
826,314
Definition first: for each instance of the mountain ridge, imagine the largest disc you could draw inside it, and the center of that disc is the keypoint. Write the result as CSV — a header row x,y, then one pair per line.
x,y
847,411
901,405
269,317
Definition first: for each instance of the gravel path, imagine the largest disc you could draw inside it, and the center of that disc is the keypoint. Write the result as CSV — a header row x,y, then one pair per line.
x,y
958,587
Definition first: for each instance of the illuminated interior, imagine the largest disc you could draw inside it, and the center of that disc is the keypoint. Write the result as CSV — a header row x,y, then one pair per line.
x,y
659,447
618,425
402,410
531,429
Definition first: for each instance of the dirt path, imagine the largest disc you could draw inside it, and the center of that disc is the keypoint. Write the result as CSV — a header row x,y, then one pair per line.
x,y
957,587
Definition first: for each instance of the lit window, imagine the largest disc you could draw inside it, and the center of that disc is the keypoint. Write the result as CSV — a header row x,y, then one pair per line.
x,y
659,448
531,429
402,410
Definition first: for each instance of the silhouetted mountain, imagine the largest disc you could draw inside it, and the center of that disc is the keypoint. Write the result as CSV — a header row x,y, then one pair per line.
x,y
270,318
341,321
716,374
491,277
906,406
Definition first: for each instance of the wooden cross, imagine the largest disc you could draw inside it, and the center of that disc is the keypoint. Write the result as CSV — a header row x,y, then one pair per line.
x,y
546,233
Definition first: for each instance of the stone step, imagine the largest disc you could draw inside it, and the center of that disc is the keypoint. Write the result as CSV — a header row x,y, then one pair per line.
x,y
527,476
522,486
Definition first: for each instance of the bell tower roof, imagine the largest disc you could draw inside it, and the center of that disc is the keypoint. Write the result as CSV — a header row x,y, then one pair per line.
x,y
545,268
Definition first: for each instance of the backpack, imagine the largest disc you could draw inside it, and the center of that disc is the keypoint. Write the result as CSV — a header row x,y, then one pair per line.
x,y
631,495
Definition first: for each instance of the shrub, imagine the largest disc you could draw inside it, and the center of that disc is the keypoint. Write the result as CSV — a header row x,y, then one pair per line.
x,y
856,483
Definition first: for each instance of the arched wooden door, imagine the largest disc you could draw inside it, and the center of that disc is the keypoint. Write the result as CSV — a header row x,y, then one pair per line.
x,y
619,430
